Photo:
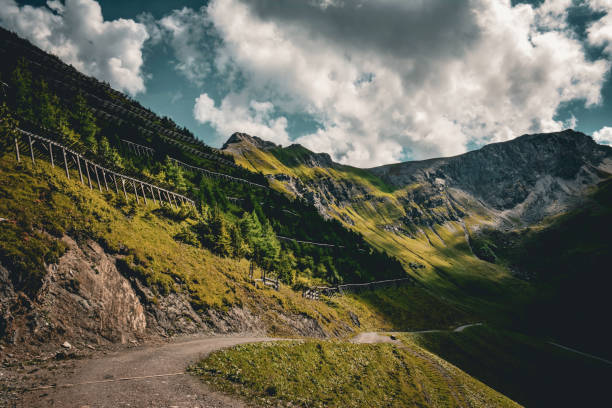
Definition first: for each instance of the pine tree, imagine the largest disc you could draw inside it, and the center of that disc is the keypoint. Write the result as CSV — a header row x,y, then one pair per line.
x,y
221,237
286,267
47,107
21,82
251,229
8,127
268,248
239,247
206,194
175,176
109,154
84,122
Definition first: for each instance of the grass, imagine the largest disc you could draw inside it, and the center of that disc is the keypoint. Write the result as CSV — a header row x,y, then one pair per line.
x,y
340,374
451,271
567,259
526,369
41,205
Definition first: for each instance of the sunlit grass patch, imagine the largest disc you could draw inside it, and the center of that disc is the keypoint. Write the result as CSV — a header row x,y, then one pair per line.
x,y
340,374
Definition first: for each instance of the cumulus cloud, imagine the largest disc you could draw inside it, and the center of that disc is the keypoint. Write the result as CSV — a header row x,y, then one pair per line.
x,y
600,31
238,114
603,135
76,32
390,78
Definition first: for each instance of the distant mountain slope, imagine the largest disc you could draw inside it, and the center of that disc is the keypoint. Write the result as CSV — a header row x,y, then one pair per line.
x,y
567,259
425,212
527,178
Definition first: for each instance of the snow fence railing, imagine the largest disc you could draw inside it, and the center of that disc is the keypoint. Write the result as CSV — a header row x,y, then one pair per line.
x,y
163,194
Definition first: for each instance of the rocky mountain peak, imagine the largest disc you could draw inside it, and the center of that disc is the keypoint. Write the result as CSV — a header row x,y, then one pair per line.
x,y
240,138
298,154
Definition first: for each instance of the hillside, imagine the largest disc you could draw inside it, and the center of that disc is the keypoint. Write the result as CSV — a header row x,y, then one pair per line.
x,y
544,375
334,374
432,212
566,258
181,230
118,226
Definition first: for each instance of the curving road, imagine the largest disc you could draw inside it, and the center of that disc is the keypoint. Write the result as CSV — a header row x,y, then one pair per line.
x,y
148,376
151,376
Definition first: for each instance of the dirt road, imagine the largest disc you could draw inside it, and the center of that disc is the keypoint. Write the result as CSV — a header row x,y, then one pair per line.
x,y
151,376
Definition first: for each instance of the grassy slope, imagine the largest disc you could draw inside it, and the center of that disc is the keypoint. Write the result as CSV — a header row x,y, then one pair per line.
x,y
41,205
568,258
528,370
451,270
338,374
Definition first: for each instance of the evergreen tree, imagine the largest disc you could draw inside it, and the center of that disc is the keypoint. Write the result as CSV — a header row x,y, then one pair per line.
x,y
48,110
8,127
174,175
239,246
221,237
21,82
109,154
251,229
268,248
286,267
206,193
84,122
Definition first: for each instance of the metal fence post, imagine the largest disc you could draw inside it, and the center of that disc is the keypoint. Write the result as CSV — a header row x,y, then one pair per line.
x,y
17,150
31,150
65,163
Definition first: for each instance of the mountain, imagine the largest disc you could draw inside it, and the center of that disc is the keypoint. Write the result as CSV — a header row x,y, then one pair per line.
x,y
438,215
519,182
141,232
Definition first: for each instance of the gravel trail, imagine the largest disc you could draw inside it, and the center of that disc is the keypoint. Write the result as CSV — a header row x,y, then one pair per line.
x,y
148,376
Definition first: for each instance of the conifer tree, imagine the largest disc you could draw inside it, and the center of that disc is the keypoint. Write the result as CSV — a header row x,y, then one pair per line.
x,y
239,247
21,82
221,237
109,154
286,267
84,122
48,111
175,176
8,127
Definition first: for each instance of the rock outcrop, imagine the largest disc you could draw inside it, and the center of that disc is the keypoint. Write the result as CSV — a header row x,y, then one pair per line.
x,y
514,183
525,179
87,300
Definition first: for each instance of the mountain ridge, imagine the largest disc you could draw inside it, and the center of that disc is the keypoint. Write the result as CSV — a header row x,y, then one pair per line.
x,y
500,175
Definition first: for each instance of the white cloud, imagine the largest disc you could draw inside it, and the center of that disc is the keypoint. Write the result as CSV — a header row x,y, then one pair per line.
x,y
188,33
552,14
600,31
382,79
76,32
603,135
237,114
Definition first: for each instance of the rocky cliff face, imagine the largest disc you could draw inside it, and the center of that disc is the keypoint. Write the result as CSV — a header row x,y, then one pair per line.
x,y
235,141
88,301
514,183
526,179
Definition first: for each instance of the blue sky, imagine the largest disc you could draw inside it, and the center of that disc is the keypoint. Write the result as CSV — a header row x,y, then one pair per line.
x,y
368,82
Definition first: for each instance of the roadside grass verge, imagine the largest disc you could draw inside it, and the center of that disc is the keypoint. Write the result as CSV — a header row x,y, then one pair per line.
x,y
341,374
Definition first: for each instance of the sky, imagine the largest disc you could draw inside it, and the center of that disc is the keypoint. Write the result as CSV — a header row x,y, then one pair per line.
x,y
370,82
